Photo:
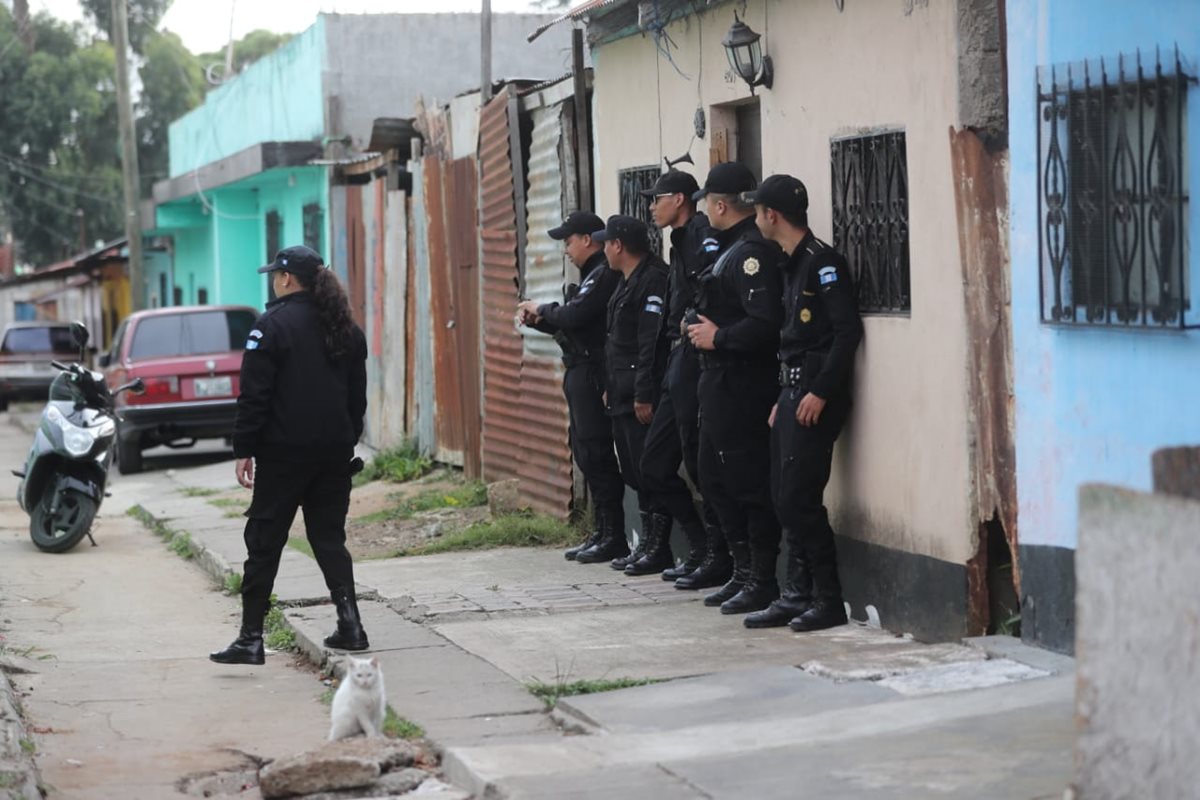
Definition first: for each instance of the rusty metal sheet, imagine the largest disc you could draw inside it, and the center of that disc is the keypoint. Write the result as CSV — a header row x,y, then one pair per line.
x,y
981,199
355,255
462,203
422,341
447,390
502,344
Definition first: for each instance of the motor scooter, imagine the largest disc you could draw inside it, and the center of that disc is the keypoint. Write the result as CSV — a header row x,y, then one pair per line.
x,y
64,479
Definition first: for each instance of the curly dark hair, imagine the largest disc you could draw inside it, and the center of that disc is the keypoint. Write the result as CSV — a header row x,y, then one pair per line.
x,y
333,309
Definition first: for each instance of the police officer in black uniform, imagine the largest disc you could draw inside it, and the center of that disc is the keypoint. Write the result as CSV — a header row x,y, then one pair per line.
x,y
821,331
580,328
736,330
299,416
635,358
674,434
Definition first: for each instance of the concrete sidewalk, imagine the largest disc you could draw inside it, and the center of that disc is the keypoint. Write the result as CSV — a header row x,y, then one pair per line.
x,y
852,712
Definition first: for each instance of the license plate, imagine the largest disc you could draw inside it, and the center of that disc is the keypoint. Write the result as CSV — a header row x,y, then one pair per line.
x,y
214,387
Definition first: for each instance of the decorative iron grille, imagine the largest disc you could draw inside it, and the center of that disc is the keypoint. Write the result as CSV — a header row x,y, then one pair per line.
x,y
274,234
870,218
1112,200
633,182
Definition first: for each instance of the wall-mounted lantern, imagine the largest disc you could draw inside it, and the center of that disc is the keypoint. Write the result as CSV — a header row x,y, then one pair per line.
x,y
746,56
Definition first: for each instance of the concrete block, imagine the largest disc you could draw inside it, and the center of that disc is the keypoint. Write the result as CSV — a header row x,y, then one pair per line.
x,y
1137,709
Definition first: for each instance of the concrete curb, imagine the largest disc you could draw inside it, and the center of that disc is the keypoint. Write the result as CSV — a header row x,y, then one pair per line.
x,y
19,776
209,560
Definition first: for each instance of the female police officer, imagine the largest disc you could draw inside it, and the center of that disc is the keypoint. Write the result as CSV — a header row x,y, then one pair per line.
x,y
299,415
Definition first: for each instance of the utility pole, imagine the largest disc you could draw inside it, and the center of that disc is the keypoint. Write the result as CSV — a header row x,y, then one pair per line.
x,y
129,163
485,53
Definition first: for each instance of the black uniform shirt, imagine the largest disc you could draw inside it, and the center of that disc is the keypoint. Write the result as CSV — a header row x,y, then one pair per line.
x,y
686,266
581,319
821,316
636,348
295,402
741,293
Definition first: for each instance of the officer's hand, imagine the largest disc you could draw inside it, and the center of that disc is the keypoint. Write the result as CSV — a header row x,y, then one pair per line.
x,y
771,419
527,309
809,410
703,334
643,411
244,469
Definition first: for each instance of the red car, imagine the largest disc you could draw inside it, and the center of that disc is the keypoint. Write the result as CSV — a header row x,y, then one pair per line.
x,y
190,358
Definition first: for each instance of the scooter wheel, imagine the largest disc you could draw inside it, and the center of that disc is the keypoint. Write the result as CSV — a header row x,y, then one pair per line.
x,y
59,532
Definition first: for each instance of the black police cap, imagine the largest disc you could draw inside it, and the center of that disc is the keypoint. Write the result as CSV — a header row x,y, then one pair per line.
x,y
782,193
298,260
673,182
584,223
731,177
626,230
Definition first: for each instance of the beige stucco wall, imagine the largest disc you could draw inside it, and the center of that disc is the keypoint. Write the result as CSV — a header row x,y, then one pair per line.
x,y
901,476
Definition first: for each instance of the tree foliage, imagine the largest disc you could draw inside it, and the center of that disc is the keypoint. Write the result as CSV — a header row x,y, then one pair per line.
x,y
172,85
143,17
250,48
60,176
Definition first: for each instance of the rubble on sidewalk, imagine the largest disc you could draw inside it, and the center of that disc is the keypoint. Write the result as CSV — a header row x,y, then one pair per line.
x,y
18,775
358,767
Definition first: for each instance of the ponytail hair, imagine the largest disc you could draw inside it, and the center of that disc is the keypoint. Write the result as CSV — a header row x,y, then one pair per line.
x,y
333,310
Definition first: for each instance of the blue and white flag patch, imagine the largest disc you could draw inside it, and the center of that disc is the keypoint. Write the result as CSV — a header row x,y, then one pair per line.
x,y
252,344
828,275
654,308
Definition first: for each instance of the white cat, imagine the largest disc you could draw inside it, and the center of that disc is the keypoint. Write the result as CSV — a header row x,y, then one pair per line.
x,y
359,704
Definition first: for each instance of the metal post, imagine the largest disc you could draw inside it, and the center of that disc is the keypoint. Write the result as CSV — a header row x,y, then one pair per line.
x,y
583,122
133,223
485,52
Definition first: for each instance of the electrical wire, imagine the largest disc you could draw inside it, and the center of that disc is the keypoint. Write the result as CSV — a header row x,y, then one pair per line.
x,y
74,176
20,168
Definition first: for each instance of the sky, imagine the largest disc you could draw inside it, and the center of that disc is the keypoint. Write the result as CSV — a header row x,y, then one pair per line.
x,y
204,24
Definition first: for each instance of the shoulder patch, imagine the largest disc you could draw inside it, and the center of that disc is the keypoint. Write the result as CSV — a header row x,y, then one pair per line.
x,y
750,266
654,299
252,344
256,334
828,275
654,308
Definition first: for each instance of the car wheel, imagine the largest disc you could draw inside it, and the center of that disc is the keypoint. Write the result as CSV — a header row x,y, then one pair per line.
x,y
129,457
62,530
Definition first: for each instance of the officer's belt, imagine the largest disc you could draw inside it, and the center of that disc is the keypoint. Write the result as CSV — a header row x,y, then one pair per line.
x,y
790,376
712,360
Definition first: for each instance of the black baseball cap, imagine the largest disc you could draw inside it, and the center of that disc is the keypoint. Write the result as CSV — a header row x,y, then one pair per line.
x,y
673,182
298,260
626,230
584,223
731,177
782,193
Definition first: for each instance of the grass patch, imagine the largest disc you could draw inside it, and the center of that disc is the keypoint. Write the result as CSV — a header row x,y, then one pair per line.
x,y
156,526
195,491
233,583
466,496
397,465
28,746
397,727
227,502
394,725
182,546
550,692
508,530
276,633
301,543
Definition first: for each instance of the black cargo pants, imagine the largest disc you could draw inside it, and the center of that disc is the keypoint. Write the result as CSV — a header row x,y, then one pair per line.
x,y
592,435
322,489
674,437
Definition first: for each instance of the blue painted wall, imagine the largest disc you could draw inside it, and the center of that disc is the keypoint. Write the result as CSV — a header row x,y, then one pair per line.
x,y
278,98
1092,404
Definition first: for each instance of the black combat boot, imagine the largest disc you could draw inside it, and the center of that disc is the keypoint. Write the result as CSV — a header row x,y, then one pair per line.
x,y
696,539
795,600
657,556
591,540
248,647
827,609
611,544
717,566
739,551
639,550
762,588
349,634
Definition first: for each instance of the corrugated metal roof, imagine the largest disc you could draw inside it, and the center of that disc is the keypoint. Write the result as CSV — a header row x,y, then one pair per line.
x,y
576,13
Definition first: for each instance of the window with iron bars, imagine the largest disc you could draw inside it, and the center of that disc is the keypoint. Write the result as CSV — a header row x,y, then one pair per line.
x,y
633,182
1112,195
314,226
870,218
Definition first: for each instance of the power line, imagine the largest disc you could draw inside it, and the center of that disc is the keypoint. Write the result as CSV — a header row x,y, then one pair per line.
x,y
18,167
74,176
